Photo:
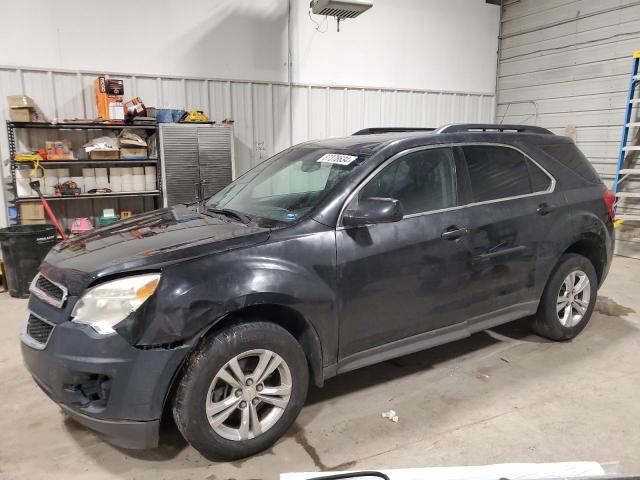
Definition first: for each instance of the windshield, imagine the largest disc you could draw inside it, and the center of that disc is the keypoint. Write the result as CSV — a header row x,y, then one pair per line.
x,y
286,186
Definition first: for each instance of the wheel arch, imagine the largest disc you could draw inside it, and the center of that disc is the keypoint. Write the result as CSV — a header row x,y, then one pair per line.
x,y
594,248
285,316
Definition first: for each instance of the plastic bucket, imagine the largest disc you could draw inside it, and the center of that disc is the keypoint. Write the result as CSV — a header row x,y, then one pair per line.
x,y
23,249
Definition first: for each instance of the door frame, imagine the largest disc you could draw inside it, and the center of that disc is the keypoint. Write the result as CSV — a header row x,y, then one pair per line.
x,y
462,177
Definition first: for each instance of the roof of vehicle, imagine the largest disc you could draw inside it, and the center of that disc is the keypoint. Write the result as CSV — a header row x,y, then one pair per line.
x,y
367,143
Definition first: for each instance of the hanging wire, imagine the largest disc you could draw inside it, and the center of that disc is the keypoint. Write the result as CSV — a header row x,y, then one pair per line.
x,y
318,26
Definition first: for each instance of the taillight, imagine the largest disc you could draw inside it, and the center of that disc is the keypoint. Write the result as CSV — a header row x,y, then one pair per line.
x,y
609,200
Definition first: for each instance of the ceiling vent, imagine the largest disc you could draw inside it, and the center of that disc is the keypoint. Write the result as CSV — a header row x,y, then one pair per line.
x,y
340,9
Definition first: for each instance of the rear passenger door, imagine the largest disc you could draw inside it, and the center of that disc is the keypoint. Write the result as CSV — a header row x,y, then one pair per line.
x,y
510,208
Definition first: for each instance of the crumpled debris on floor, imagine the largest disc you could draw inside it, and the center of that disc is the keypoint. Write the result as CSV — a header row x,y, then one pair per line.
x,y
391,415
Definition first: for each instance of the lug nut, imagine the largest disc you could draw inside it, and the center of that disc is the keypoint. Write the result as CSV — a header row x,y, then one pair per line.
x,y
249,382
243,404
255,401
260,388
238,393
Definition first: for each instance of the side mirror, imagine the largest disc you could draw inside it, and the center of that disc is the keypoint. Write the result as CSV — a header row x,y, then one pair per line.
x,y
373,210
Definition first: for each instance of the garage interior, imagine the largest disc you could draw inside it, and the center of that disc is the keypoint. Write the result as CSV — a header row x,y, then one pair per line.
x,y
270,74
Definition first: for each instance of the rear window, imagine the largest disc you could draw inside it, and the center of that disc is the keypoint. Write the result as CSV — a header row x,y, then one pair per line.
x,y
570,156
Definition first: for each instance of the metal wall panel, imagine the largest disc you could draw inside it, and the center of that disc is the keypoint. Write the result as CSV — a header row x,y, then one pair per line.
x,y
268,117
567,63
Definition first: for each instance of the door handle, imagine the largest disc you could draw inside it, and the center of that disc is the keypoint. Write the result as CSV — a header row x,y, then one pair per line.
x,y
454,232
545,208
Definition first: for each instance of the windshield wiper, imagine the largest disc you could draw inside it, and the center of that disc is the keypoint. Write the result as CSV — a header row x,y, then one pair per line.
x,y
227,212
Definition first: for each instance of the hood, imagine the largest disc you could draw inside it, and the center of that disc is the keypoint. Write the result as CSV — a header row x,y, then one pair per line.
x,y
145,242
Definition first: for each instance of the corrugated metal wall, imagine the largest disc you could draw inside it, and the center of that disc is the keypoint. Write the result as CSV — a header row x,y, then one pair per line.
x,y
261,110
566,63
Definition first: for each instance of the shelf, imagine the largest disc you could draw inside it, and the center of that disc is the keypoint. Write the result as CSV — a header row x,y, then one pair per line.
x,y
78,126
79,162
85,196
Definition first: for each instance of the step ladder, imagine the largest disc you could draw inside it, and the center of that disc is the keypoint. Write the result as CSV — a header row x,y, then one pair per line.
x,y
623,173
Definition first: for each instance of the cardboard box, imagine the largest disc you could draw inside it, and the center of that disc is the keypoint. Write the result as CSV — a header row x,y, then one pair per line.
x,y
20,101
32,222
109,98
31,211
104,154
133,153
23,115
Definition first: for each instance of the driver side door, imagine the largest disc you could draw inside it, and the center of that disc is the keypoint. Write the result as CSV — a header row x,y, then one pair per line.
x,y
400,282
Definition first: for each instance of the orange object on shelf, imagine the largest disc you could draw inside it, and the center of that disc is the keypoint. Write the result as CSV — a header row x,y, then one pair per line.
x,y
109,99
59,150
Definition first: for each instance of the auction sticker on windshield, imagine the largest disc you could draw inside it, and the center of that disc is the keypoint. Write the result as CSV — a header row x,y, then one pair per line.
x,y
337,159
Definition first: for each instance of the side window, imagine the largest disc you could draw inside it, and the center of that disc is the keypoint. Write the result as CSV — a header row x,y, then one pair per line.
x,y
501,172
540,181
572,157
423,181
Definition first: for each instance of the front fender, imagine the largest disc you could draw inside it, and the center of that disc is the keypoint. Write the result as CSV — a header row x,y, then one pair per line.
x,y
194,295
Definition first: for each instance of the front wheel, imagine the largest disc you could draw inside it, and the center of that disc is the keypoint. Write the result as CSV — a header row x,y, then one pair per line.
x,y
568,300
241,390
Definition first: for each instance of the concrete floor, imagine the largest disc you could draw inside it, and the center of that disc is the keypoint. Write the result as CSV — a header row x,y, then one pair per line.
x,y
499,396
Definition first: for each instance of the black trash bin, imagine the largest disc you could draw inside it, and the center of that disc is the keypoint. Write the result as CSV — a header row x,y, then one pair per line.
x,y
23,249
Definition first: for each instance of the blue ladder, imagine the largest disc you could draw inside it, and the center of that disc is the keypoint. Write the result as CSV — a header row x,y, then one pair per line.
x,y
623,173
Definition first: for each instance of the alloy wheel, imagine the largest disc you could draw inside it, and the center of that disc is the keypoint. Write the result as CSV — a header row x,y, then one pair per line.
x,y
248,395
573,298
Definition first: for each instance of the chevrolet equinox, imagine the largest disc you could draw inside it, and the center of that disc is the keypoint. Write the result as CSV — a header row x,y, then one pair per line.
x,y
329,256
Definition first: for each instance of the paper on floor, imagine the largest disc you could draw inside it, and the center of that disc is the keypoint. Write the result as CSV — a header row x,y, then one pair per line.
x,y
512,471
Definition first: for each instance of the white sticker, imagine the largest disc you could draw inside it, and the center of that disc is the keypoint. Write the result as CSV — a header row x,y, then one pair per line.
x,y
337,159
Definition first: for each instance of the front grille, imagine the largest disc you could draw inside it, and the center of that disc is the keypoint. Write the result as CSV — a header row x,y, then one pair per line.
x,y
50,292
38,329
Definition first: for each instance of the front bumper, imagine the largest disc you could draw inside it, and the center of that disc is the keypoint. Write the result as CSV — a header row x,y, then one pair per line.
x,y
103,382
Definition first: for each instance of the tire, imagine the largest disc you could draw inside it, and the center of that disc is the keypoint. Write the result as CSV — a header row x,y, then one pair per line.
x,y
211,378
559,325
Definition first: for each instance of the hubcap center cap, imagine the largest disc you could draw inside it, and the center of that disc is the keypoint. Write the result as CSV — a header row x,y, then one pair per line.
x,y
249,393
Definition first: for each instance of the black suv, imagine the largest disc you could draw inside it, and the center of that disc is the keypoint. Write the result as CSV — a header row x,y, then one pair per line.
x,y
327,257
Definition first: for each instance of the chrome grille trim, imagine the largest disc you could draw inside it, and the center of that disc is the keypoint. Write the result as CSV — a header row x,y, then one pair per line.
x,y
28,339
44,296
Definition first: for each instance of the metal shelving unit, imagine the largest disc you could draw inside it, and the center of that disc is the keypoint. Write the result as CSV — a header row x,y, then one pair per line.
x,y
79,126
11,136
86,162
82,196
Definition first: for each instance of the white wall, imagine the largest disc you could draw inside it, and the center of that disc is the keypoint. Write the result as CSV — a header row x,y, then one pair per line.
x,y
424,63
204,38
445,45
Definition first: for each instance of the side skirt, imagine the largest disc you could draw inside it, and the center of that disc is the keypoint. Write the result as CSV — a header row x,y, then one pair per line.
x,y
430,339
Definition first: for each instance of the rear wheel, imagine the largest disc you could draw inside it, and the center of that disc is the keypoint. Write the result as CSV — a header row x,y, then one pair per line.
x,y
568,299
241,391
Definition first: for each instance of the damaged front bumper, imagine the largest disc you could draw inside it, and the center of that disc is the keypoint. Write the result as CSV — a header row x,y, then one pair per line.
x,y
103,382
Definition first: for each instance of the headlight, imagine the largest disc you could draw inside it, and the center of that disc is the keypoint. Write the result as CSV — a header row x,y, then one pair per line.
x,y
109,303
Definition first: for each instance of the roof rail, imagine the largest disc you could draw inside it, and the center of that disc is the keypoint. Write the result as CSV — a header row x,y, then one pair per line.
x,y
368,131
492,127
